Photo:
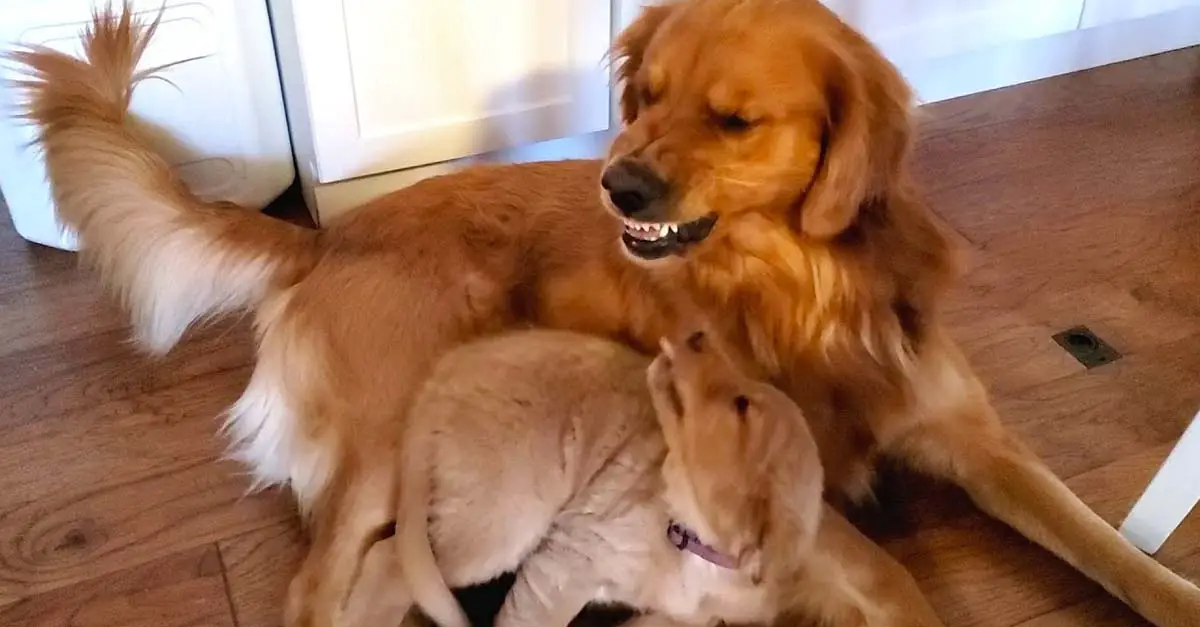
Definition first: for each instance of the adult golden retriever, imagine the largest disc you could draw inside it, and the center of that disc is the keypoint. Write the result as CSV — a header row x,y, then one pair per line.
x,y
760,174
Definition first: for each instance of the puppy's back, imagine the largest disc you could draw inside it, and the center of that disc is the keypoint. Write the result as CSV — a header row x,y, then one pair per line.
x,y
502,436
536,359
533,394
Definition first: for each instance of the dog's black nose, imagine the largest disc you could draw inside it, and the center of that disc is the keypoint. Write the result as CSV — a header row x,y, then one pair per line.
x,y
633,188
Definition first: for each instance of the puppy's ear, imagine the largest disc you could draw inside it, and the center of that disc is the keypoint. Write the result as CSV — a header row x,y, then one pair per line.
x,y
667,405
866,138
628,49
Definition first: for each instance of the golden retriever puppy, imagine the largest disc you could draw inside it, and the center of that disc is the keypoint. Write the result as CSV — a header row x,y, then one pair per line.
x,y
679,487
761,173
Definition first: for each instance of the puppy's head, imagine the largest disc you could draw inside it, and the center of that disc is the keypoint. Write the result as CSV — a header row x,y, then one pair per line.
x,y
732,106
740,461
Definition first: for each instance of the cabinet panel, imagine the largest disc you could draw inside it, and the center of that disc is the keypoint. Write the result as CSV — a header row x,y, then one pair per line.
x,y
922,29
1101,12
404,83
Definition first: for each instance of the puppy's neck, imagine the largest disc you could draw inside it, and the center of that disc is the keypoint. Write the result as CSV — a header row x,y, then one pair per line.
x,y
790,502
687,540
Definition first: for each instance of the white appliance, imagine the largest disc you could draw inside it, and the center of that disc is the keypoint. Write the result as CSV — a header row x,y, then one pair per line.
x,y
221,116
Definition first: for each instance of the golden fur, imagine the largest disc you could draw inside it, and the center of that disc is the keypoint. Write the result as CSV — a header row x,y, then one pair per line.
x,y
824,271
564,457
542,452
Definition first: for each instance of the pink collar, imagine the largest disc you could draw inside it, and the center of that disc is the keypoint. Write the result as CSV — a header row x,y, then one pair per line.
x,y
685,539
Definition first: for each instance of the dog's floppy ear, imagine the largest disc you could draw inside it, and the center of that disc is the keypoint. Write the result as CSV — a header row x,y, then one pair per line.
x,y
866,139
627,51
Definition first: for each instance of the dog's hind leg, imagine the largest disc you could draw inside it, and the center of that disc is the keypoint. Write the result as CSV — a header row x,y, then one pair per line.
x,y
358,512
968,446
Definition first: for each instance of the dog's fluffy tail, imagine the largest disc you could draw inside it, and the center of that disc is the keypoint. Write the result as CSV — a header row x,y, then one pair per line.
x,y
418,566
172,258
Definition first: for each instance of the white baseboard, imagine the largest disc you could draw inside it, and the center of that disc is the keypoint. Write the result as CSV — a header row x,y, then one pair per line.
x,y
933,79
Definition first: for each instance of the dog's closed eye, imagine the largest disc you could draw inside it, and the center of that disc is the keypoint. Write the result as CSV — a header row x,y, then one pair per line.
x,y
731,122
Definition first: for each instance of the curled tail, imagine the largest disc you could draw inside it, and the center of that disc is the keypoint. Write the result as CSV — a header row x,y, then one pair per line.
x,y
418,566
172,258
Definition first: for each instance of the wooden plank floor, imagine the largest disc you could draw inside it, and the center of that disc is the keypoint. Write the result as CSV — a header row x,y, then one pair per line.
x,y
1078,196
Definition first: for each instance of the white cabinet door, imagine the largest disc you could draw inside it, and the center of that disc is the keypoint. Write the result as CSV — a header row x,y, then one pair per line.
x,y
393,84
1101,12
911,30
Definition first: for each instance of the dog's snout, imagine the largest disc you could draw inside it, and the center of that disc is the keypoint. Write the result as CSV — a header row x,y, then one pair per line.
x,y
632,187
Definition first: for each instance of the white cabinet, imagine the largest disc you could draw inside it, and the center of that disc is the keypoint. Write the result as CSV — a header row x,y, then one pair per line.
x,y
1101,12
410,82
378,86
951,48
920,29
218,119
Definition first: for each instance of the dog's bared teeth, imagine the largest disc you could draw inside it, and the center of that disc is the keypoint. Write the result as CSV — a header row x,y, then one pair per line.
x,y
650,231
